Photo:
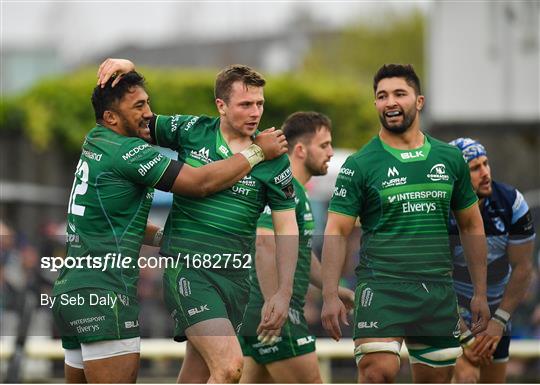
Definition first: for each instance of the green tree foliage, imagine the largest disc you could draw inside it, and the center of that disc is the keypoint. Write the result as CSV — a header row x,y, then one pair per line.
x,y
358,51
59,109
335,79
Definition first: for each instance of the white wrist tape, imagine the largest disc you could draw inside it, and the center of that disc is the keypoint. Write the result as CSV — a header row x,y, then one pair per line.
x,y
503,324
254,154
501,317
157,238
503,314
466,339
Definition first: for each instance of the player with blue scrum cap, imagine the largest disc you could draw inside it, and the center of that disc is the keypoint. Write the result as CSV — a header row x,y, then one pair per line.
x,y
510,235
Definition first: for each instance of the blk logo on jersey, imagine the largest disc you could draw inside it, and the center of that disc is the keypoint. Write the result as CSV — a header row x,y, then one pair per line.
x,y
197,310
131,324
368,325
305,340
223,150
412,155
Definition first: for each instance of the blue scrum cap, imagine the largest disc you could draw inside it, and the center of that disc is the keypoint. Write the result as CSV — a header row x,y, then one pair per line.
x,y
470,148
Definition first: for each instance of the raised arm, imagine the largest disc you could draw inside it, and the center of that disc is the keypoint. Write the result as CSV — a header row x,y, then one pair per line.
x,y
217,176
473,239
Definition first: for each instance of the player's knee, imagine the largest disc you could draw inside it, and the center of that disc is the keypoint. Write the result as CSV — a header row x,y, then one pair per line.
x,y
378,361
464,373
465,378
374,372
445,377
229,372
315,378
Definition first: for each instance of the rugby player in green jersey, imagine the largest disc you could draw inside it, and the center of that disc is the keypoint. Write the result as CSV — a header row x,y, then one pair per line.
x,y
292,358
95,300
402,185
214,237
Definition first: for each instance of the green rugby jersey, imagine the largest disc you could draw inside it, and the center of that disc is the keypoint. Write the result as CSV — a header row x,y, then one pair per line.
x,y
306,226
403,198
224,224
108,210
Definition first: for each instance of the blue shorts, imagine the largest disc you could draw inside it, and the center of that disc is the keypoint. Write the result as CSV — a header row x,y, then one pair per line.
x,y
502,353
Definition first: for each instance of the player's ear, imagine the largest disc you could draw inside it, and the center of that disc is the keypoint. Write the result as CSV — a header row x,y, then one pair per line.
x,y
221,106
109,117
420,100
299,150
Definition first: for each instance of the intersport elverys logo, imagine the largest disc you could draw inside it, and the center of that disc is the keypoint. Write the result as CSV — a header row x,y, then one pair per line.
x,y
438,173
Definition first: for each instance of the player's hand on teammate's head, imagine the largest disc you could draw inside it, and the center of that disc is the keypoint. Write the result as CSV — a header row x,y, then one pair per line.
x,y
113,68
333,311
347,297
272,142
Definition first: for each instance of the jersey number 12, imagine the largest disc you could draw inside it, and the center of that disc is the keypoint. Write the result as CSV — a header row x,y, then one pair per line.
x,y
79,189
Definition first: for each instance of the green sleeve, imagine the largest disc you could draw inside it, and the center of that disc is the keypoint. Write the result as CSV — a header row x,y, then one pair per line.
x,y
348,195
170,129
139,162
280,188
265,220
463,195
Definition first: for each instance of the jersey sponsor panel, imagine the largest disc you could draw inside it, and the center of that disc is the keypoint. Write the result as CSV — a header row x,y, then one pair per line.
x,y
403,204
